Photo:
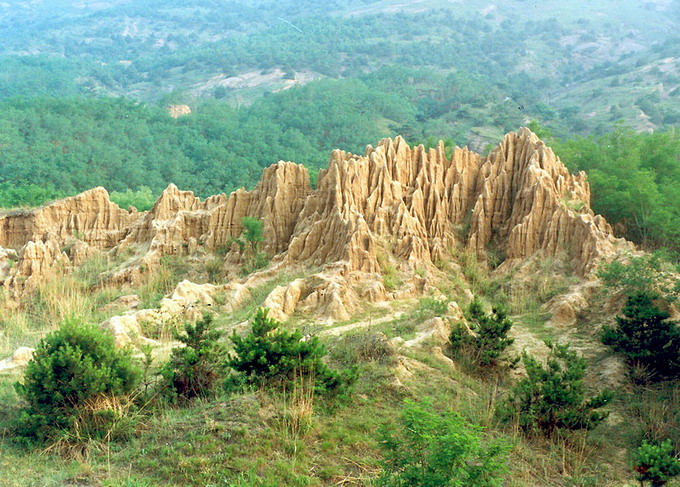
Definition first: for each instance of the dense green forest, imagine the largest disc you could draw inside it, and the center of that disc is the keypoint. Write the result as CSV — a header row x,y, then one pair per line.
x,y
562,64
53,148
635,181
77,143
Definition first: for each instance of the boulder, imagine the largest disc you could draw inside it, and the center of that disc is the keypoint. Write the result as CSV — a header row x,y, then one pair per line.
x,y
19,358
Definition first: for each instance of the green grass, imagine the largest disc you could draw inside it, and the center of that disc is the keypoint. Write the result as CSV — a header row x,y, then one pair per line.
x,y
244,439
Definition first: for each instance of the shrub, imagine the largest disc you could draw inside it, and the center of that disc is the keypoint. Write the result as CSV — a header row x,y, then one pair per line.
x,y
649,274
429,308
553,396
72,369
390,274
434,450
273,356
489,337
254,263
646,337
474,271
656,463
655,412
249,243
195,369
252,231
363,346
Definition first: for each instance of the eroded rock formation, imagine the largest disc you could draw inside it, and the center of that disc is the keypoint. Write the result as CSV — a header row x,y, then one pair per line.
x,y
410,205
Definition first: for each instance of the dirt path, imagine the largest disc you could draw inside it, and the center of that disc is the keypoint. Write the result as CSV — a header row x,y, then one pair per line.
x,y
341,330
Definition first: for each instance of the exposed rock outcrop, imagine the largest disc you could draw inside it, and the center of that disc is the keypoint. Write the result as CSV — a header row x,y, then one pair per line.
x,y
89,216
176,111
519,199
19,358
37,261
187,302
416,205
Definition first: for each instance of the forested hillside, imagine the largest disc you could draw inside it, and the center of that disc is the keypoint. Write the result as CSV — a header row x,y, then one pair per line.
x,y
293,80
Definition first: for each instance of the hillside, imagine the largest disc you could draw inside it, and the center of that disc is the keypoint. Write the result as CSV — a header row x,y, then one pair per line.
x,y
207,278
245,50
377,261
85,90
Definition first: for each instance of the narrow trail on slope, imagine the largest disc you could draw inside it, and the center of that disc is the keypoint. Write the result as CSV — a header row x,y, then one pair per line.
x,y
341,330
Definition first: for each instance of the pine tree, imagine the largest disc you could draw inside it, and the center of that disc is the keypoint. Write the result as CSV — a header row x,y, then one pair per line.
x,y
70,367
274,356
646,337
489,338
195,369
553,396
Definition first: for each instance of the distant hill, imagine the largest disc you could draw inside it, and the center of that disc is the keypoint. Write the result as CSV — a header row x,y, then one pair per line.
x,y
556,60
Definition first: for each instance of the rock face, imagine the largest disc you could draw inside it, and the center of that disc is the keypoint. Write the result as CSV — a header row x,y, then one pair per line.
x,y
176,111
20,358
187,302
519,199
414,205
89,216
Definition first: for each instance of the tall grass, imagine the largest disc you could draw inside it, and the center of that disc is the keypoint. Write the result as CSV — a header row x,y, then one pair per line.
x,y
295,421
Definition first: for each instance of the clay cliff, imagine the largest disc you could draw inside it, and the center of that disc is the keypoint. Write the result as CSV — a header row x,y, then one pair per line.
x,y
520,198
417,206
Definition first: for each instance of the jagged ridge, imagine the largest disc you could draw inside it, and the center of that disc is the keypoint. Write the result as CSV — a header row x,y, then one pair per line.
x,y
417,204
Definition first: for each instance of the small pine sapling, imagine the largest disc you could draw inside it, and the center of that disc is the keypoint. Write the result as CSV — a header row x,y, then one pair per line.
x,y
271,355
553,396
196,369
656,463
486,339
646,337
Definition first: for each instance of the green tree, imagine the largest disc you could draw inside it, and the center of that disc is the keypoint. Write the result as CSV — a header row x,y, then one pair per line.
x,y
252,232
646,337
250,242
142,199
635,180
436,450
553,396
196,369
71,366
656,463
489,337
271,355
31,195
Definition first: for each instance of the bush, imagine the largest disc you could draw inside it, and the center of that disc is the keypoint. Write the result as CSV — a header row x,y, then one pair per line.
x,y
272,356
655,413
489,338
656,463
364,346
649,274
142,199
646,337
434,450
252,231
429,308
552,397
249,243
71,370
196,369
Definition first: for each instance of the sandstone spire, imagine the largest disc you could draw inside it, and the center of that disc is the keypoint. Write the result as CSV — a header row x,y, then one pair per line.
x,y
419,206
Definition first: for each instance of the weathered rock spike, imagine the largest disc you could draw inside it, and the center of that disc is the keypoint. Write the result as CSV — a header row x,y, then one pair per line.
x,y
412,202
